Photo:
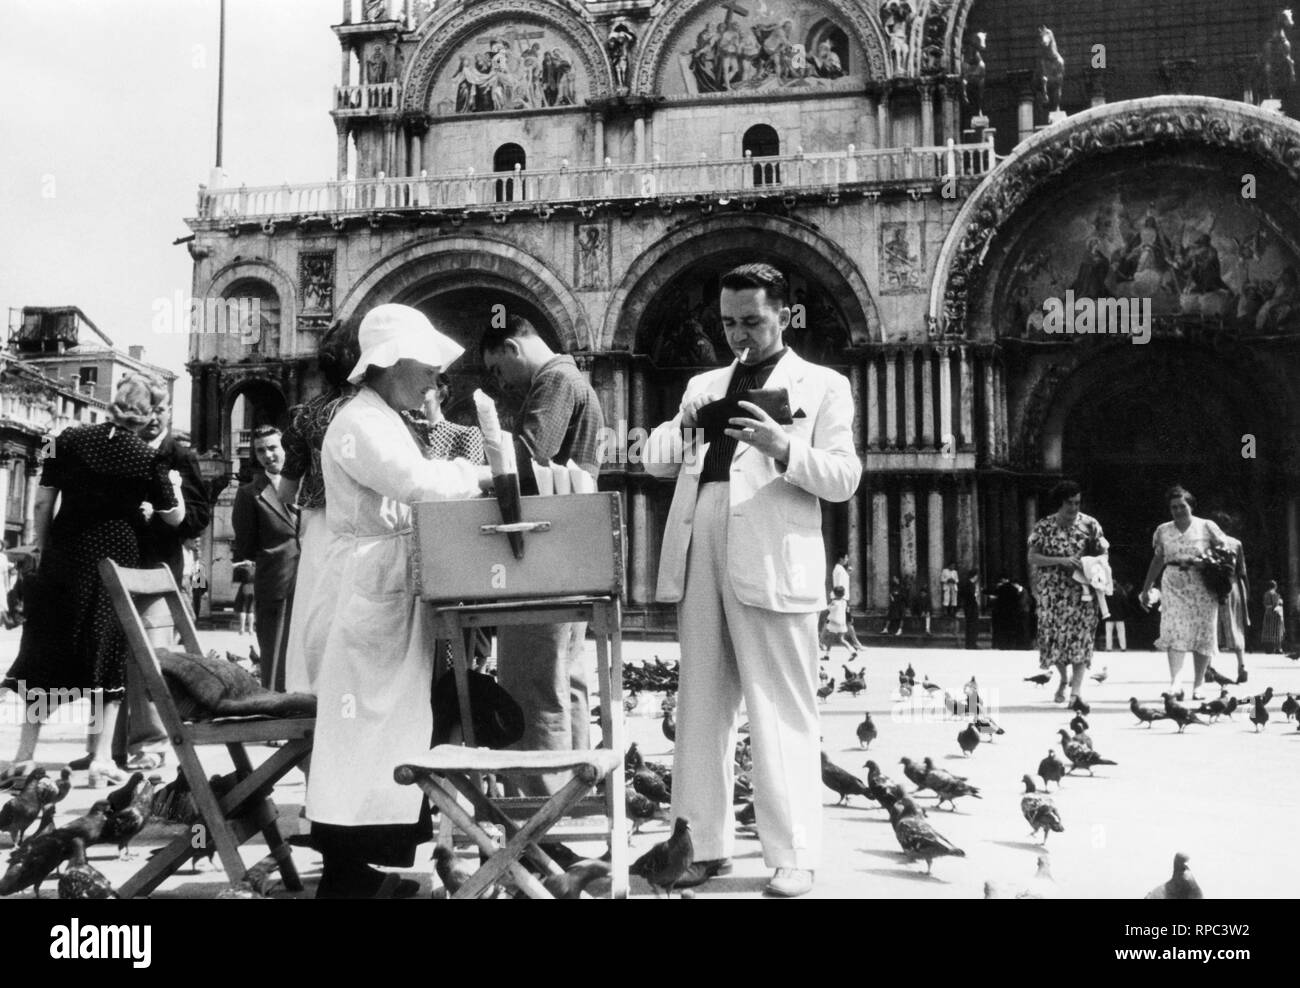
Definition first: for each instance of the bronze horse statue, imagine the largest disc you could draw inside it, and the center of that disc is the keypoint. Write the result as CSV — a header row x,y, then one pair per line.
x,y
1051,69
973,74
1279,67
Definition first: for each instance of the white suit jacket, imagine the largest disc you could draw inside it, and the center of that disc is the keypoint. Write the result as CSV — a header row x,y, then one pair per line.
x,y
775,555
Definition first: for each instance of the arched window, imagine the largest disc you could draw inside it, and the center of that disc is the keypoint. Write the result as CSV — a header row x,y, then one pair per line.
x,y
828,51
506,159
248,317
761,141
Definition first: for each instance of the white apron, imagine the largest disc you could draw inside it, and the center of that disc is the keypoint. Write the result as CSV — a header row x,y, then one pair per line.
x,y
307,639
375,671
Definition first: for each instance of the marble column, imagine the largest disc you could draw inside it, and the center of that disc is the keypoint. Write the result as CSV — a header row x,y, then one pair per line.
x,y
909,398
927,401
967,398
341,129
345,78
927,116
946,437
855,550
882,121
4,495
598,151
33,476
907,531
891,399
1031,519
1000,378
873,123
951,93
638,140
1013,559
990,414
639,593
878,591
414,162
934,548
873,402
995,546
347,11
966,531
855,389
1025,116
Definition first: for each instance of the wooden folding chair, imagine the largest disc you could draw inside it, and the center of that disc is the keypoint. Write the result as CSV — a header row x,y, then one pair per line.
x,y
149,607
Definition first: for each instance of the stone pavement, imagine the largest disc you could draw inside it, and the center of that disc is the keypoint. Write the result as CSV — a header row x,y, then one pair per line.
x,y
1223,794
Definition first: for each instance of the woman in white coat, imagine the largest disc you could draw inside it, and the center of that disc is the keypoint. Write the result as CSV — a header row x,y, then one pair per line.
x,y
375,675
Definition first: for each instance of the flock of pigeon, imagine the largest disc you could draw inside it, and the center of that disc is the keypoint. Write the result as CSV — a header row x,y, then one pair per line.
x,y
649,786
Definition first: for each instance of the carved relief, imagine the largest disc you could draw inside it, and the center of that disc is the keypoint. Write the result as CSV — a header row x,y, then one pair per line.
x,y
316,283
902,258
591,256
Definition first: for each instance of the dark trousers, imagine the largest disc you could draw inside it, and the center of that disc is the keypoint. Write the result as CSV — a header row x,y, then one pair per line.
x,y
272,618
972,622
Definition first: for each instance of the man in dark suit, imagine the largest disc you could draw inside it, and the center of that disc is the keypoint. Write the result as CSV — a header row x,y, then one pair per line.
x,y
266,534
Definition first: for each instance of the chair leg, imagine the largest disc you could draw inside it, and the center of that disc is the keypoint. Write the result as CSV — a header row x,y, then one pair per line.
x,y
484,807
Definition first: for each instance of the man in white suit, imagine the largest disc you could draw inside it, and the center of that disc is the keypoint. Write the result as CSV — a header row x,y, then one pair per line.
x,y
743,558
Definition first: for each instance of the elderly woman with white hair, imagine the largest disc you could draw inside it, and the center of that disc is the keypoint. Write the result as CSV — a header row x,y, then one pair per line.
x,y
102,476
374,678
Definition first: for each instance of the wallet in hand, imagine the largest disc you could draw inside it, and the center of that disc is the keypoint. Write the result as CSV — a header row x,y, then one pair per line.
x,y
717,415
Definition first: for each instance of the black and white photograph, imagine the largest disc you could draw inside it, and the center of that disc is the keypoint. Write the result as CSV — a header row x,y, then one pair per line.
x,y
660,449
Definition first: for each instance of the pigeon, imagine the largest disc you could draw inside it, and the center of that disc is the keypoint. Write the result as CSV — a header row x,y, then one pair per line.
x,y
988,727
914,773
82,881
866,730
640,809
746,816
1180,715
664,864
972,692
911,674
1042,679
1079,706
24,808
1078,723
132,807
881,787
576,878
917,837
1214,709
1181,884
853,686
1145,714
630,702
841,782
930,687
1041,886
1051,769
948,786
969,739
1290,705
1259,716
952,707
31,864
826,689
1101,677
1080,755
1039,810
1212,675
454,874
669,725
46,825
651,786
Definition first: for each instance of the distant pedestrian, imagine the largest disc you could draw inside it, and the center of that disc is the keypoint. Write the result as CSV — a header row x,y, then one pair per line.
x,y
1234,615
243,577
198,574
896,609
924,607
968,596
839,626
1119,604
948,589
1274,622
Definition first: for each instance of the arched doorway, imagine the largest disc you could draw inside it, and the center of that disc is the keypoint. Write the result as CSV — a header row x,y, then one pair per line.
x,y
762,141
249,405
258,309
508,158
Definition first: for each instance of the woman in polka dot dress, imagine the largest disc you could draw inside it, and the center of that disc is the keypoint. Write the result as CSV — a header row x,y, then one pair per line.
x,y
108,480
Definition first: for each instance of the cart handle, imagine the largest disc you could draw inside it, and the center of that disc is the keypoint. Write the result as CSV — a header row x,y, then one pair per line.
x,y
512,527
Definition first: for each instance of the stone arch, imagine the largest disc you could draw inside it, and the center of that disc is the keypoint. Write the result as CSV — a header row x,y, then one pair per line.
x,y
864,29
272,275
670,255
471,260
1171,122
443,35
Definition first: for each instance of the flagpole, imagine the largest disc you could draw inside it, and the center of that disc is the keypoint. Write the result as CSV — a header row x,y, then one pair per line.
x,y
221,78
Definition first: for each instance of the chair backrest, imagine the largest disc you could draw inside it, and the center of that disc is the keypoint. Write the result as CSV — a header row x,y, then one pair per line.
x,y
148,605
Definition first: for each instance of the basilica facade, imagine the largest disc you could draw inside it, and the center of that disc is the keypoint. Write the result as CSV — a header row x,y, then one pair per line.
x,y
938,179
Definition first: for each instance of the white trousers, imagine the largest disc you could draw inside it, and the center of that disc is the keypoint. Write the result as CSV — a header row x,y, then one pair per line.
x,y
731,650
1114,628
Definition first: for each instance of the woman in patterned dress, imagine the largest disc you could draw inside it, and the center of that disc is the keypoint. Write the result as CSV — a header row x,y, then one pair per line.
x,y
302,445
1189,610
107,478
1067,620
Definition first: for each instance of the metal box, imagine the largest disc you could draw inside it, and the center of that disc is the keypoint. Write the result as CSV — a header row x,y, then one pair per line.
x,y
460,557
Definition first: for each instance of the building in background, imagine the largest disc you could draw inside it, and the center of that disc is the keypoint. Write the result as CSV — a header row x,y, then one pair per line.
x,y
929,174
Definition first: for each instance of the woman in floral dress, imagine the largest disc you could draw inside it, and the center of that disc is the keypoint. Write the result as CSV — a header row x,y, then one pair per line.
x,y
1067,620
1274,624
1189,610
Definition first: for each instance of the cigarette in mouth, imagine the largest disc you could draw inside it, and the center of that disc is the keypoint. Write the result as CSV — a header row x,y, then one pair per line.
x,y
744,355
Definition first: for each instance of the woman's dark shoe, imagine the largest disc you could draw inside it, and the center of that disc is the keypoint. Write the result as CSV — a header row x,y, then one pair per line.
x,y
364,883
701,871
1241,675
